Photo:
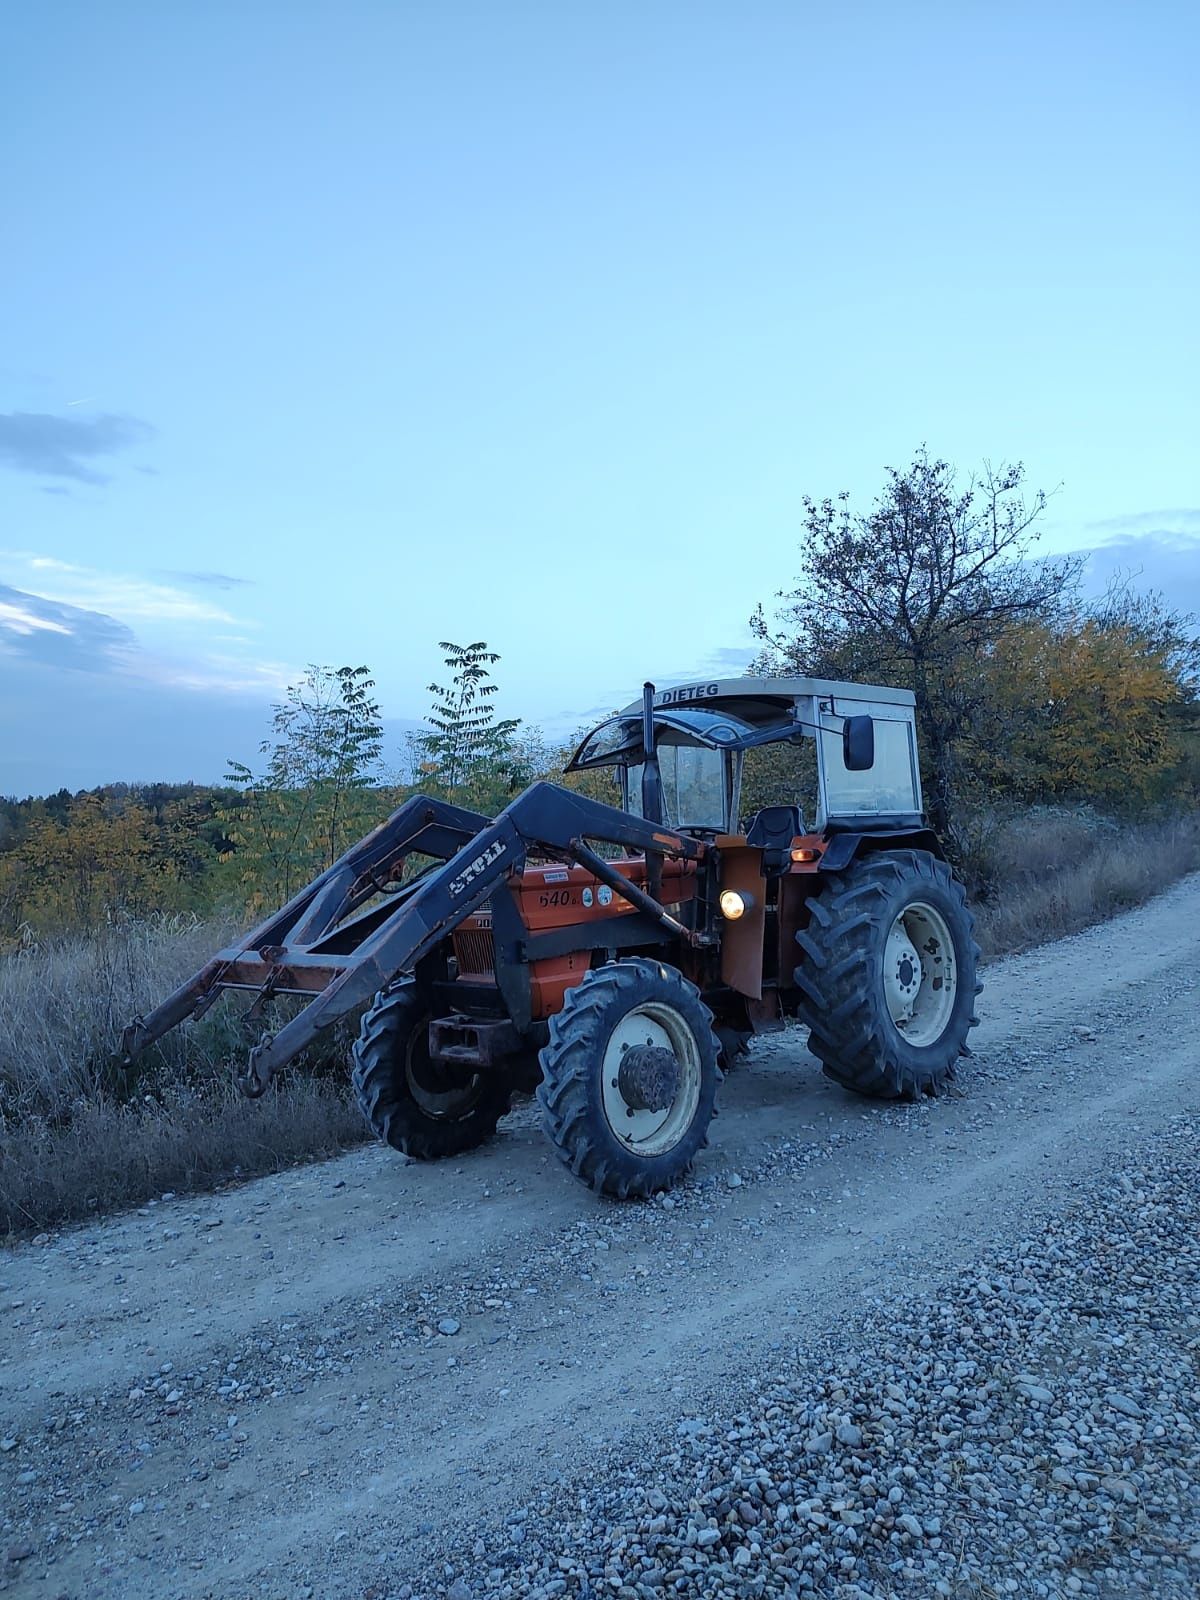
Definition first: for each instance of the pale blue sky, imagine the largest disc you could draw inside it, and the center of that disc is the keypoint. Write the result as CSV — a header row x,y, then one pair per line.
x,y
333,330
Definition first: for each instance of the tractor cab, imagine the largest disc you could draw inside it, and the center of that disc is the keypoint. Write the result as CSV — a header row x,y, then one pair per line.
x,y
700,735
698,760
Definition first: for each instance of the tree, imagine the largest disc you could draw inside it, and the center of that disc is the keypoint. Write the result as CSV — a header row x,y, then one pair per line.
x,y
1096,705
101,859
314,795
468,754
913,593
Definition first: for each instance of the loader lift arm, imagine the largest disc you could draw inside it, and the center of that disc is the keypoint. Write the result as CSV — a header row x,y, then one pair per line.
x,y
315,945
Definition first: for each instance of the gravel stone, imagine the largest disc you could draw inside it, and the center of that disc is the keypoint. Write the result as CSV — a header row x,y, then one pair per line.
x,y
986,1410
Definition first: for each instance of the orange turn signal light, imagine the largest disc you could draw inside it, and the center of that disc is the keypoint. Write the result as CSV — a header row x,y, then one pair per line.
x,y
804,855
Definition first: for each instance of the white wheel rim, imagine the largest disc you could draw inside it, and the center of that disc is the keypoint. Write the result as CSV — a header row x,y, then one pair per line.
x,y
643,1132
920,975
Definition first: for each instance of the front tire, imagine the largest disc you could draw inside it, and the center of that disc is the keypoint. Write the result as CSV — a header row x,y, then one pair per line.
x,y
411,1102
629,1078
887,975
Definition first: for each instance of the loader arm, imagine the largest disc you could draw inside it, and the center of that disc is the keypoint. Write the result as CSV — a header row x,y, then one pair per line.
x,y
315,945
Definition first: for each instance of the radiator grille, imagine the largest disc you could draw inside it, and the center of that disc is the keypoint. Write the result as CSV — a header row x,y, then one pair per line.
x,y
475,950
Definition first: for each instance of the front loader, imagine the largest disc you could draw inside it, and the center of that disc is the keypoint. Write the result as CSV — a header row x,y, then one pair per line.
x,y
613,958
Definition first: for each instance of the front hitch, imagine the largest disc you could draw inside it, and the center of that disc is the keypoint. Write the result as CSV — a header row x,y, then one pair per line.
x,y
255,1080
133,1040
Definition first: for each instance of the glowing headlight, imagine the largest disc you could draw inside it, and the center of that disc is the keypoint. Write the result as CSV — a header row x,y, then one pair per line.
x,y
733,905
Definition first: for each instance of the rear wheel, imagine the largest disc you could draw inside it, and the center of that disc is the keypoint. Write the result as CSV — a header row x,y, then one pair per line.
x,y
416,1104
629,1078
887,975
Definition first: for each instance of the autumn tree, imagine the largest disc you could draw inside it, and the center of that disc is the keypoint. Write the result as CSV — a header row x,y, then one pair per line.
x,y
913,592
1096,705
313,795
101,860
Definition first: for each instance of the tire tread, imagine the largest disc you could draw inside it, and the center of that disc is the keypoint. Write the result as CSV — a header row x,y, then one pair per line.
x,y
384,1097
568,1060
841,997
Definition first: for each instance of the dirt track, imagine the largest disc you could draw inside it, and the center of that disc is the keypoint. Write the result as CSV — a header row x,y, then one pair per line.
x,y
249,1395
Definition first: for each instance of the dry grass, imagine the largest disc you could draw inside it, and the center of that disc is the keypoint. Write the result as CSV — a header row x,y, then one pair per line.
x,y
64,1002
1058,873
112,1155
78,1135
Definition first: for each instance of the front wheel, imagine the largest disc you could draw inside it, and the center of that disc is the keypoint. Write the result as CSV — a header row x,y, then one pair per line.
x,y
629,1078
417,1105
887,975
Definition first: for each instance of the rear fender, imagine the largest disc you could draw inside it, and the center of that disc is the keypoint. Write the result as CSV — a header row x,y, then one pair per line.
x,y
843,848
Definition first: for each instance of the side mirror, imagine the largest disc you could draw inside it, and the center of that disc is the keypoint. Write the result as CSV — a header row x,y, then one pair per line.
x,y
858,744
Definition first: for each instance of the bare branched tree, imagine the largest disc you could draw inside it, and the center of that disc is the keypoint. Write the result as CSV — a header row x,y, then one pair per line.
x,y
913,591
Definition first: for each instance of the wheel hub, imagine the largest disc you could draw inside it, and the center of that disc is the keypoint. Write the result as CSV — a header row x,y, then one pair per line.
x,y
648,1077
439,1077
901,972
652,1077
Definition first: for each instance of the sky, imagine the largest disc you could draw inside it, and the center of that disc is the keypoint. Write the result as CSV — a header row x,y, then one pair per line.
x,y
333,331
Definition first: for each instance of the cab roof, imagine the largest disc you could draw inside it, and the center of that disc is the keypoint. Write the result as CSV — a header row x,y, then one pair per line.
x,y
760,701
732,714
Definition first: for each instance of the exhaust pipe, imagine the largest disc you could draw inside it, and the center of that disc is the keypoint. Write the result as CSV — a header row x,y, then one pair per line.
x,y
652,795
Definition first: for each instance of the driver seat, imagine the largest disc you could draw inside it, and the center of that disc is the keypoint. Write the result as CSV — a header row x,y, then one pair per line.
x,y
772,830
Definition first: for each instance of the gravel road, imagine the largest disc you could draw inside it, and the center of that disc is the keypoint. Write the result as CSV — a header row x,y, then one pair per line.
x,y
947,1349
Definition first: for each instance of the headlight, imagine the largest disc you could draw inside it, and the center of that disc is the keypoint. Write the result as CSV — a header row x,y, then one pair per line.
x,y
734,905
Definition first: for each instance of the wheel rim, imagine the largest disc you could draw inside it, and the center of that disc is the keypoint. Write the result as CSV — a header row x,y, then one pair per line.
x,y
640,1130
920,975
448,1103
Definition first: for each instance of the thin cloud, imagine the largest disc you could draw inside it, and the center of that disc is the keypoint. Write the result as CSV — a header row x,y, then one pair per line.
x,y
1181,521
17,617
210,580
229,675
66,447
1158,561
735,658
34,629
121,594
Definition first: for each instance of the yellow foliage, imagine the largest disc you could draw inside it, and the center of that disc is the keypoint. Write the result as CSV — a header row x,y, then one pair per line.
x,y
99,861
1082,711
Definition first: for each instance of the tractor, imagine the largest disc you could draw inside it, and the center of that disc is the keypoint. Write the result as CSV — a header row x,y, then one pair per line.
x,y
613,958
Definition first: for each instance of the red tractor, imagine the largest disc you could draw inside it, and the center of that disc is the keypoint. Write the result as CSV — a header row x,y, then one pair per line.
x,y
611,958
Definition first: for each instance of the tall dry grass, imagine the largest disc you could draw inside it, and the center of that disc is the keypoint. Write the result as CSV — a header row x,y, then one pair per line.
x,y
64,1002
1055,873
79,1136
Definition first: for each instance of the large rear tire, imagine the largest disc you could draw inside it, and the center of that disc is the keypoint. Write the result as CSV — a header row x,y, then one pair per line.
x,y
887,975
407,1098
629,1078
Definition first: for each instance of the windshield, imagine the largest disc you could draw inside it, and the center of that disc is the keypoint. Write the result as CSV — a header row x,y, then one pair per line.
x,y
605,743
693,785
620,738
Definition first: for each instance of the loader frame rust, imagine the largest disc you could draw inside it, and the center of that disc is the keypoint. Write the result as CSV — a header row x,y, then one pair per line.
x,y
330,942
